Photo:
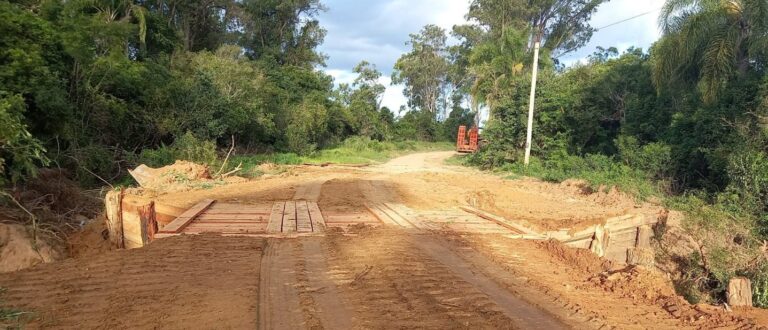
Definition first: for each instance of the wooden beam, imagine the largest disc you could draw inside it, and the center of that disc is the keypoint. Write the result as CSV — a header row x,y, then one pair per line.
x,y
186,218
276,218
389,216
289,217
383,217
303,222
500,221
318,221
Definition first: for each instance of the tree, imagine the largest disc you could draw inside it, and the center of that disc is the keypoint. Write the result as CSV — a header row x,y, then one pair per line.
x,y
561,25
285,31
424,70
365,101
710,42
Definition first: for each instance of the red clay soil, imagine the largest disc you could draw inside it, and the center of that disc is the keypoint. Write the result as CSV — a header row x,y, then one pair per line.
x,y
607,294
178,283
368,278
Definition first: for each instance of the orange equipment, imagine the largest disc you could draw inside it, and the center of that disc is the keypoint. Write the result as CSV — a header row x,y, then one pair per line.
x,y
461,140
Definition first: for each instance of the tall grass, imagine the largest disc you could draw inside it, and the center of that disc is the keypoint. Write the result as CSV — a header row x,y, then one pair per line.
x,y
597,170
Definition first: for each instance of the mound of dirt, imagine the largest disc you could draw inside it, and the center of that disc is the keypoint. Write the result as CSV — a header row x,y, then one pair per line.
x,y
580,187
179,177
91,241
483,199
267,167
580,259
161,178
19,251
636,283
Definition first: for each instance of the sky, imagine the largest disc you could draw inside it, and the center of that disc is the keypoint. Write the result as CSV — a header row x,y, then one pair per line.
x,y
377,31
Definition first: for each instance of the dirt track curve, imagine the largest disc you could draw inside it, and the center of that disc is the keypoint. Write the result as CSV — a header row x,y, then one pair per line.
x,y
362,278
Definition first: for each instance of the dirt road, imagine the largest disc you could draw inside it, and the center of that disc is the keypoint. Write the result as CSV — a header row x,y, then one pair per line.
x,y
456,275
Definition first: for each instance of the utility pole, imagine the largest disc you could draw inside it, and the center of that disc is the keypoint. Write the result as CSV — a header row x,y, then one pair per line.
x,y
529,135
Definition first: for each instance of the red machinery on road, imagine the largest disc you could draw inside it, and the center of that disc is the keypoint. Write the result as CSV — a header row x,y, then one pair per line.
x,y
464,146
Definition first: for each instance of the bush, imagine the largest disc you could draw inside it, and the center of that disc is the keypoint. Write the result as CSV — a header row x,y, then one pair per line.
x,y
726,246
598,170
748,174
655,159
187,147
364,143
760,288
20,153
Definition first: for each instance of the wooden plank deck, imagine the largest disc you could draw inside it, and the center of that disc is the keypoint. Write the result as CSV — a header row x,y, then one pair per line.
x,y
186,218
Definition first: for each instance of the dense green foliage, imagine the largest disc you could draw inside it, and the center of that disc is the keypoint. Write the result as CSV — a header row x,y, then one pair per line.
x,y
101,84
686,122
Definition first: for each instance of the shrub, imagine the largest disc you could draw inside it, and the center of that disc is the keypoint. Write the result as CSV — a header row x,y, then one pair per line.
x,y
20,153
723,235
748,174
655,159
187,147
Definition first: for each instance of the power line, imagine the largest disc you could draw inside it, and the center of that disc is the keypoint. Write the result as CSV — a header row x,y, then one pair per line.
x,y
614,24
629,19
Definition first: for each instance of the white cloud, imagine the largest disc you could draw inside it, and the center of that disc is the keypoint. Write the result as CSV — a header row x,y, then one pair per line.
x,y
377,31
341,76
393,97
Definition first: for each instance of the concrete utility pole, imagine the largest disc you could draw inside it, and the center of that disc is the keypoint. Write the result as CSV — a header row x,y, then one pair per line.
x,y
529,136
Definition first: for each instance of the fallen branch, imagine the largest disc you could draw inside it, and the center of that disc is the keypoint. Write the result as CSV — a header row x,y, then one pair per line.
x,y
226,159
32,216
89,171
237,169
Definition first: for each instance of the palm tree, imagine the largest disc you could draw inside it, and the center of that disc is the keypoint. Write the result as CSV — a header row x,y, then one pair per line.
x,y
710,42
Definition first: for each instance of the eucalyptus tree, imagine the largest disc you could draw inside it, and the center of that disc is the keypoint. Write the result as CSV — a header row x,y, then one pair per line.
x,y
424,70
561,25
710,42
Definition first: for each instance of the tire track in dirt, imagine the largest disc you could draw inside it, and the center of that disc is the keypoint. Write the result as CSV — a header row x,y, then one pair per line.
x,y
295,291
279,306
391,283
181,282
319,290
523,313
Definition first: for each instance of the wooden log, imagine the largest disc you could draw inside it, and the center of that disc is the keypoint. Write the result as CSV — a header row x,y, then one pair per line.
x,y
600,241
113,204
644,234
148,222
740,292
641,257
133,230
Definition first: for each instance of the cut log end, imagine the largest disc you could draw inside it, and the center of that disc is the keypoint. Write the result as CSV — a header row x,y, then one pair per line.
x,y
740,292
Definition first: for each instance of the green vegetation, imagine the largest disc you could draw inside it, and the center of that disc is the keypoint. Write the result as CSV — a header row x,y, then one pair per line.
x,y
685,122
96,87
354,150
